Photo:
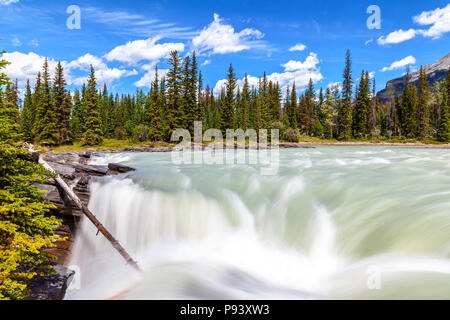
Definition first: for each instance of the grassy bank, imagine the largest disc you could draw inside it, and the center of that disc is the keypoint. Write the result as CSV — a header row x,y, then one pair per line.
x,y
113,144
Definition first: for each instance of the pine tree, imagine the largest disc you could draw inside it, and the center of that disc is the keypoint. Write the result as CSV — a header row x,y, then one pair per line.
x,y
154,111
28,115
47,125
61,105
77,120
325,114
244,104
228,107
292,110
174,98
345,111
362,112
25,229
423,112
286,109
94,134
409,108
310,105
444,127
276,103
373,114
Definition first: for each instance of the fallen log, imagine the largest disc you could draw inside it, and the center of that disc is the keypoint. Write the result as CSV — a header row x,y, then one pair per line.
x,y
90,215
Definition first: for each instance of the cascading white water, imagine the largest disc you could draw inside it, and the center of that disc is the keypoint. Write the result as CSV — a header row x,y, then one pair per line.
x,y
334,221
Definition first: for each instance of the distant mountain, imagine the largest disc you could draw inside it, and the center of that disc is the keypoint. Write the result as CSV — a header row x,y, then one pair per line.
x,y
435,72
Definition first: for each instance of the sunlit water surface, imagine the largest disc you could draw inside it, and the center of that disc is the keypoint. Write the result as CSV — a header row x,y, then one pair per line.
x,y
334,223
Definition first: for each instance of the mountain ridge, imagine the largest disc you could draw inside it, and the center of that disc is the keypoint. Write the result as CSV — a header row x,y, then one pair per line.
x,y
435,72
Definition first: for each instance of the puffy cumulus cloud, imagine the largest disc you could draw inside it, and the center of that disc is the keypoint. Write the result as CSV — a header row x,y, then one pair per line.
x,y
439,19
397,37
148,78
400,64
26,66
103,73
298,47
7,2
310,62
135,51
221,38
298,72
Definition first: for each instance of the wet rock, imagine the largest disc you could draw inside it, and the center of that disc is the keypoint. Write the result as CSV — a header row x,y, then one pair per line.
x,y
119,168
52,287
98,171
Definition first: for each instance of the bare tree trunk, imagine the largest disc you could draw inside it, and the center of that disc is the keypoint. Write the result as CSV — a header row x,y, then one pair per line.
x,y
90,216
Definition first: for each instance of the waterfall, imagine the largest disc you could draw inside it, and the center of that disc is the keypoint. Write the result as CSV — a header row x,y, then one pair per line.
x,y
318,229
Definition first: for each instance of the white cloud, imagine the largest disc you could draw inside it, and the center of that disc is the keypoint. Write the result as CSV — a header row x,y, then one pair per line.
x,y
368,42
103,73
25,66
400,64
221,38
7,2
148,78
397,37
439,19
16,42
298,47
300,72
206,62
310,62
139,50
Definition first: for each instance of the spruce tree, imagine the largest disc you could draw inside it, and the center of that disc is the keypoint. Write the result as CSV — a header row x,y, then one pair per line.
x,y
345,111
174,88
28,115
25,227
61,105
292,110
423,112
310,105
155,116
94,134
409,108
362,112
48,122
228,107
244,104
444,126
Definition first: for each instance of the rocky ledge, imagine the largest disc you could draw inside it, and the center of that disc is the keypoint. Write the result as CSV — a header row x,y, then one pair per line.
x,y
74,169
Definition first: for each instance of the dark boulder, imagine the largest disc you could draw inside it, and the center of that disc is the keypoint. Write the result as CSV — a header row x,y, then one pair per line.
x,y
51,287
119,168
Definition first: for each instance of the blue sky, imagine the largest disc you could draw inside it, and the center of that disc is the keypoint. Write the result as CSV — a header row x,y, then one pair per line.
x,y
291,41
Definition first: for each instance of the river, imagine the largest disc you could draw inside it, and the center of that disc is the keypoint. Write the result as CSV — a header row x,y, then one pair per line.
x,y
333,223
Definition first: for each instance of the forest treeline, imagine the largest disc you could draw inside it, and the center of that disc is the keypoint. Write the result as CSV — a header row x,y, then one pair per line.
x,y
26,227
51,115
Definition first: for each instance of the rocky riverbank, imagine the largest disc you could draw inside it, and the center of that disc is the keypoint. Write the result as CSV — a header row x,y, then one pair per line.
x,y
74,169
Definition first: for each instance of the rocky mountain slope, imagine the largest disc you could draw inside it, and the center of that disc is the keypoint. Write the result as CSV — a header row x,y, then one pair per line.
x,y
435,72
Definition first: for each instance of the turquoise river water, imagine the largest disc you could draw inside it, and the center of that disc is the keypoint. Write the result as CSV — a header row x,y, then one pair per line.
x,y
333,223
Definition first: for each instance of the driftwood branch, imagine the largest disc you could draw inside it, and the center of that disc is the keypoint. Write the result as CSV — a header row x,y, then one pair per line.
x,y
90,215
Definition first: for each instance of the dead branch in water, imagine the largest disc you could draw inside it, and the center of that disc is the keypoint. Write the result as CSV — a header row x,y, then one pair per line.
x,y
90,215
